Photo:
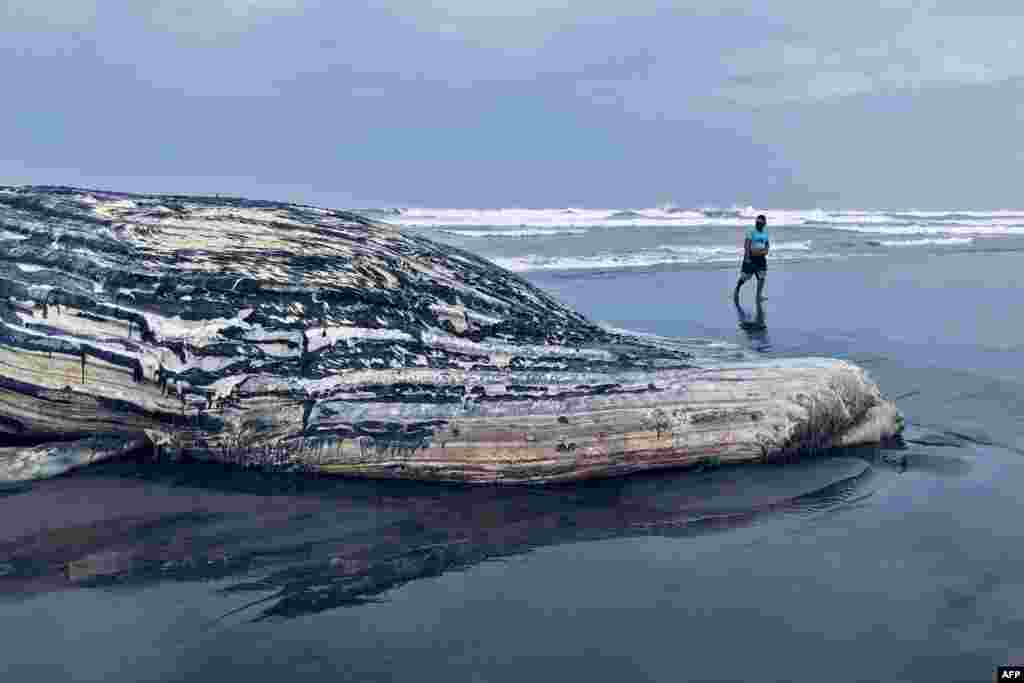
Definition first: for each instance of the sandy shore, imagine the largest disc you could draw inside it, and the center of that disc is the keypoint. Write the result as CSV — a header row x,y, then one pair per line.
x,y
912,556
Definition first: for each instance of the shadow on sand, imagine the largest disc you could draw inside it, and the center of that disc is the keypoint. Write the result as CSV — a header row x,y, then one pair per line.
x,y
302,545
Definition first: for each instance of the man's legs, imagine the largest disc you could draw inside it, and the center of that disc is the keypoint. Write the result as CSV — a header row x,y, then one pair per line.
x,y
761,274
739,283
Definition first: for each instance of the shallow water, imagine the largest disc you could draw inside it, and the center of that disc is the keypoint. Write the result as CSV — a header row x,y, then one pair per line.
x,y
864,565
587,240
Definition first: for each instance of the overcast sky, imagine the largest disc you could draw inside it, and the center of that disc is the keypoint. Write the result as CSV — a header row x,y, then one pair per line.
x,y
625,103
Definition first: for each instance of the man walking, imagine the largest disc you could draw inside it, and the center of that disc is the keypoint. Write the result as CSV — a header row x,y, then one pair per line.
x,y
755,257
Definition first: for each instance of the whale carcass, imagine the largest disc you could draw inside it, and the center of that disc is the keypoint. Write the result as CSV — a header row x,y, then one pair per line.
x,y
287,336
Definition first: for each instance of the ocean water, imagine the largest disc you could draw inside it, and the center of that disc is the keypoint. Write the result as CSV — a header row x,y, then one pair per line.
x,y
868,564
616,239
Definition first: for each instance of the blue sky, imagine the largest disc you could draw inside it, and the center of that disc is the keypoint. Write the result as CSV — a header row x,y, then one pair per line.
x,y
525,103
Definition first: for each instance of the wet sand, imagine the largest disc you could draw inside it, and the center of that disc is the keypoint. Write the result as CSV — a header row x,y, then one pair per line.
x,y
868,564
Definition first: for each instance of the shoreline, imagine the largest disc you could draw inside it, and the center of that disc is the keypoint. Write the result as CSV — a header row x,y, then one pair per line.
x,y
909,255
355,574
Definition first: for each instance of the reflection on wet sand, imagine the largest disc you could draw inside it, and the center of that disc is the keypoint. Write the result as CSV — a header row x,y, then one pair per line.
x,y
754,326
302,545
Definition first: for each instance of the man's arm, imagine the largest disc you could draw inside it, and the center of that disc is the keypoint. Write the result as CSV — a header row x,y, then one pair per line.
x,y
746,249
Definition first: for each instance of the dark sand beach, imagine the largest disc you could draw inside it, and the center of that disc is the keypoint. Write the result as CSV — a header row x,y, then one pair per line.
x,y
861,565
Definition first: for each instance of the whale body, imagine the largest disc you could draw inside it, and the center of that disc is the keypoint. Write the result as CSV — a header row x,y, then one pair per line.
x,y
294,337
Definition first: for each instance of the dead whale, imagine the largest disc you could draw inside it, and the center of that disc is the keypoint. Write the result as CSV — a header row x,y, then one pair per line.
x,y
286,336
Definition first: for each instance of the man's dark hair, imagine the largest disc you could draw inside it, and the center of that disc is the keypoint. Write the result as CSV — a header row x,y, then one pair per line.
x,y
762,218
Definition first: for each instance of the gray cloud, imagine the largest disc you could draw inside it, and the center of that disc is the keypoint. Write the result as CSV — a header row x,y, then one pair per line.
x,y
921,51
213,20
830,50
500,102
842,49
52,13
201,18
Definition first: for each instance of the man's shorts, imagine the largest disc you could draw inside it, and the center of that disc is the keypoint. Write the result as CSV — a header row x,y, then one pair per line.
x,y
751,268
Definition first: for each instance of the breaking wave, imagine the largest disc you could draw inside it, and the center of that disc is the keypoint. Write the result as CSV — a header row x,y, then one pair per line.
x,y
525,232
668,254
527,239
946,241
978,229
981,222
